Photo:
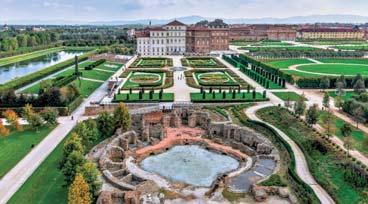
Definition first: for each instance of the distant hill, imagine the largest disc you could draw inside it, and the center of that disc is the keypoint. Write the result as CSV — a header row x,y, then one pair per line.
x,y
193,19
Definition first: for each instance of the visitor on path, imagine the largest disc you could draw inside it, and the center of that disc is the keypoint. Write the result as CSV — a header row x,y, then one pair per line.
x,y
72,117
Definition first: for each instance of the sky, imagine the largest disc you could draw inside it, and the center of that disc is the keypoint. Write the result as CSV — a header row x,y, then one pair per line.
x,y
108,10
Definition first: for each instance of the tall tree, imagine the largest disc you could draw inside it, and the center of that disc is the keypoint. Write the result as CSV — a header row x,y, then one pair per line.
x,y
122,117
359,86
339,102
358,115
3,130
300,106
50,115
106,124
79,192
346,130
88,132
329,122
72,144
312,115
72,163
12,119
91,174
326,100
33,119
324,83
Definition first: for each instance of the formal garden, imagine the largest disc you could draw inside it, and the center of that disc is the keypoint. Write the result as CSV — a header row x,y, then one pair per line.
x,y
136,79
216,79
152,62
201,62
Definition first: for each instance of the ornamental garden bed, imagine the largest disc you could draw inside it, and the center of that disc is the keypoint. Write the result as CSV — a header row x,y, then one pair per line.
x,y
215,79
202,62
141,78
152,62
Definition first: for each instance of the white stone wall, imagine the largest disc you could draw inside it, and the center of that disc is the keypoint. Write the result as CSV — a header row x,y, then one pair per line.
x,y
176,39
143,46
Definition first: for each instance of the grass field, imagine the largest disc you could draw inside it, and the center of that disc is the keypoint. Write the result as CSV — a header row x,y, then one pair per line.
x,y
86,87
357,135
325,167
348,61
346,96
18,58
198,97
15,146
338,69
292,96
45,185
144,79
284,64
134,97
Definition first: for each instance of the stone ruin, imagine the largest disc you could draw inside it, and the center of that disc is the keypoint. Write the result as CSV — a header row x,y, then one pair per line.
x,y
149,129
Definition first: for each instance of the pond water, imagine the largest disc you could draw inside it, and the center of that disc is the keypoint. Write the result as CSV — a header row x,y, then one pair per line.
x,y
190,164
19,69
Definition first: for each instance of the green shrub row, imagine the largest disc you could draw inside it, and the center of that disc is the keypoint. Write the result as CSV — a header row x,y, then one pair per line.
x,y
95,64
63,81
274,71
314,82
233,62
35,76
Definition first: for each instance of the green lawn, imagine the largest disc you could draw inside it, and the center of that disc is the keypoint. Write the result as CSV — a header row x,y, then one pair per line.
x,y
324,166
91,74
340,69
346,96
284,64
301,74
27,56
86,87
285,95
134,97
36,87
198,97
45,185
348,61
15,146
110,66
144,79
357,135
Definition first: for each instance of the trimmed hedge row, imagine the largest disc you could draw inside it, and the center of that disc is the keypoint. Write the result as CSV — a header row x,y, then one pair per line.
x,y
233,62
304,191
63,81
314,83
63,111
35,76
274,71
186,62
95,64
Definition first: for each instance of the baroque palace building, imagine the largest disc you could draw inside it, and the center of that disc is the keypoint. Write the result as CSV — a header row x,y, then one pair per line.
x,y
331,33
176,38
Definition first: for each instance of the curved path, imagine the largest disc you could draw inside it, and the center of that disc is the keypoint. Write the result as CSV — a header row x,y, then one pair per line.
x,y
301,164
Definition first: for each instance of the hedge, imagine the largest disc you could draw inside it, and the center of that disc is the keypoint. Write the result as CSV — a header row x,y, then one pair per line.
x,y
63,81
95,64
35,76
257,64
314,82
304,191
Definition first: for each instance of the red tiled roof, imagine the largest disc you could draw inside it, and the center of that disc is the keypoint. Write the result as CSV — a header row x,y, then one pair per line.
x,y
328,30
175,23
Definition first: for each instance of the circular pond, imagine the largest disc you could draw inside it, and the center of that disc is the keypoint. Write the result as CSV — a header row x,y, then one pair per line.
x,y
190,164
213,77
